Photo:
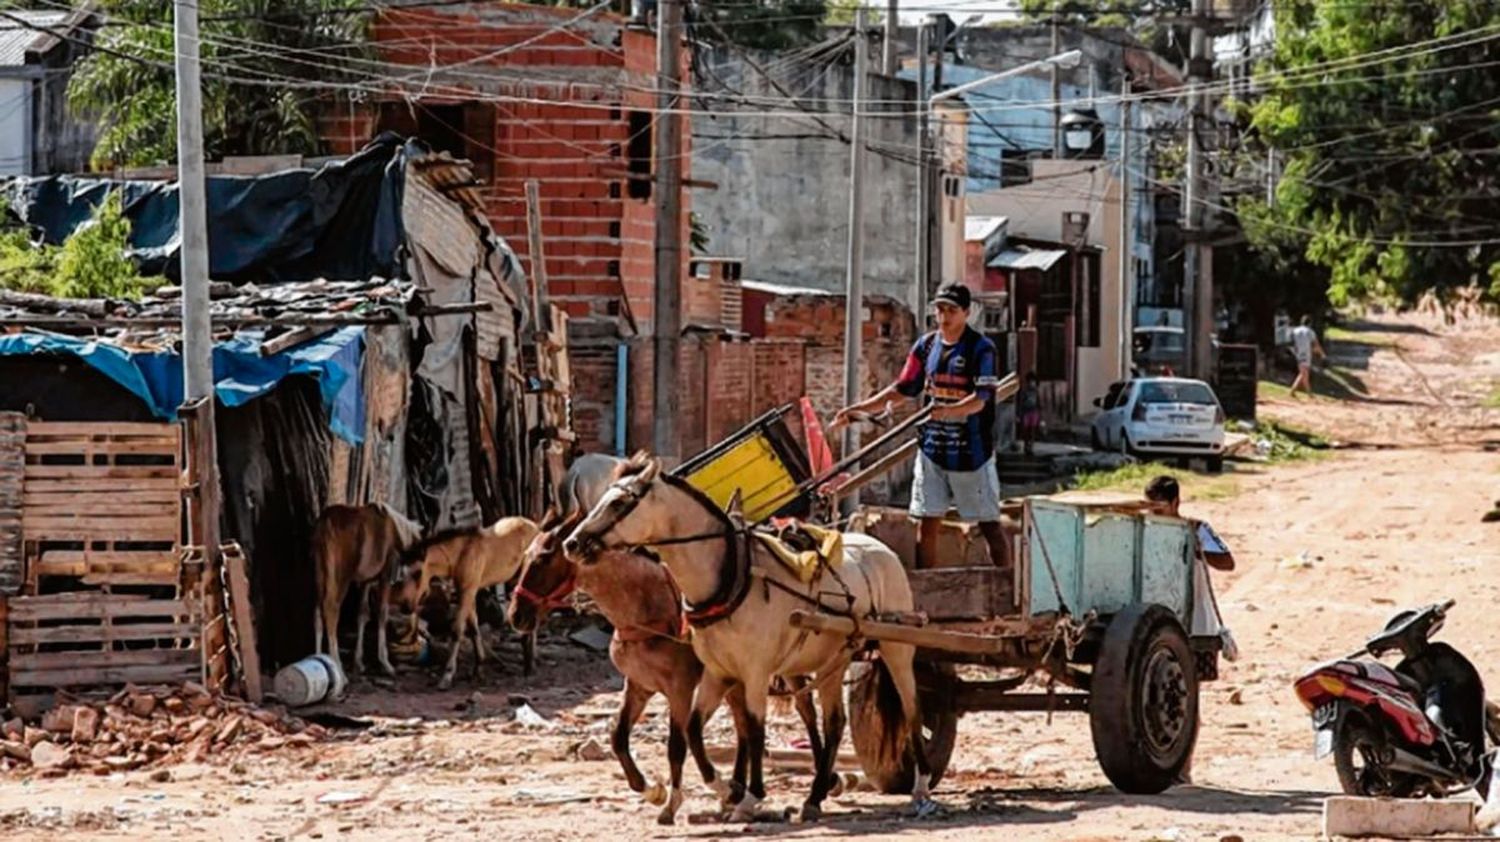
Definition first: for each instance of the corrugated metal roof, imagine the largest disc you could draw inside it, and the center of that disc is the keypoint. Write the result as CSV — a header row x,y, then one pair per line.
x,y
1042,259
16,39
982,227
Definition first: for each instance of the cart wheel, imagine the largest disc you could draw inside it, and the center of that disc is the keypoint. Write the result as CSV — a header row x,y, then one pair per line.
x,y
1143,702
886,764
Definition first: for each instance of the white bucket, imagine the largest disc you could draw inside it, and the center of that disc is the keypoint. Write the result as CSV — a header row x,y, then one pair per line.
x,y
309,681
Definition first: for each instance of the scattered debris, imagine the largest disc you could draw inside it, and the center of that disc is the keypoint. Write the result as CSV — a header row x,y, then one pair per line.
x,y
526,715
143,726
337,797
591,750
1237,696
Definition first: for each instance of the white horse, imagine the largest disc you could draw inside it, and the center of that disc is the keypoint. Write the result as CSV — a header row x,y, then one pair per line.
x,y
739,601
586,480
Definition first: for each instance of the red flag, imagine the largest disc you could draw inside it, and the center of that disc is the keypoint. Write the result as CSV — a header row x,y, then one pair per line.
x,y
819,456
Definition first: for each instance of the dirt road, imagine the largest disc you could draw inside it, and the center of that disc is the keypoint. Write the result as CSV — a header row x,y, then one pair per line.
x,y
1327,550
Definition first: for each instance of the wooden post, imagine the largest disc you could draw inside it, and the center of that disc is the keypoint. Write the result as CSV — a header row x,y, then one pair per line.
x,y
243,616
536,280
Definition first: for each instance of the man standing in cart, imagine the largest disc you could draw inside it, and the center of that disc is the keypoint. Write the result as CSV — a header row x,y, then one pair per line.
x,y
956,368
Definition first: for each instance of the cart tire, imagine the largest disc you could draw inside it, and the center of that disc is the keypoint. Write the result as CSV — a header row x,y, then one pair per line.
x,y
1143,701
885,763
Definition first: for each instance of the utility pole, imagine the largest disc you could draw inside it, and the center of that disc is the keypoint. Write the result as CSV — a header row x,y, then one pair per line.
x,y
1057,147
1127,237
667,301
854,289
197,333
1198,257
924,178
936,191
892,32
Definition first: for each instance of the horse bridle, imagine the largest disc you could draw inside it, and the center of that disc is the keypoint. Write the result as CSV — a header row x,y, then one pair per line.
x,y
555,598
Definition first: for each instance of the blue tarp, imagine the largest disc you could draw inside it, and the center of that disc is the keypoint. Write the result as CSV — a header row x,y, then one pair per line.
x,y
241,374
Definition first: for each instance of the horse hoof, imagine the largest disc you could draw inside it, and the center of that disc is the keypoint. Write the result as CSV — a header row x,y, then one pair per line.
x,y
446,683
723,791
655,795
668,815
745,810
810,813
837,788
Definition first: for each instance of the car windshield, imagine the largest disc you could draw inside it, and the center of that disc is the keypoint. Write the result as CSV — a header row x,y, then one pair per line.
x,y
1169,392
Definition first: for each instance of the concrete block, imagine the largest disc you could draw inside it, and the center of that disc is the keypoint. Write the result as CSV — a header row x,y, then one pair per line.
x,y
1345,815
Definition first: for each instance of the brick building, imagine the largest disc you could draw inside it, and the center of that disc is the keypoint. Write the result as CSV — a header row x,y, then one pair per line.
x,y
563,97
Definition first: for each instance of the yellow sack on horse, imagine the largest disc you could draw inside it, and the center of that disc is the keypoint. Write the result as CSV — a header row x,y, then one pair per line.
x,y
827,547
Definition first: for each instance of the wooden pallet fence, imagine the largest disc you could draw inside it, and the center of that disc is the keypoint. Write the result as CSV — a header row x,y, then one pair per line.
x,y
90,639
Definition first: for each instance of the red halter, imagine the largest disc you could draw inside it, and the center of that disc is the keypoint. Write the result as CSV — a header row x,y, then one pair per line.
x,y
557,598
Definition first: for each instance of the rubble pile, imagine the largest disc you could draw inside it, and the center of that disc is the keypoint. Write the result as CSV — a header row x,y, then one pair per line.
x,y
140,727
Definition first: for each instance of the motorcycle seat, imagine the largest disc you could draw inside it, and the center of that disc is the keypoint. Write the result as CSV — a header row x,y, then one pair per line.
x,y
1409,684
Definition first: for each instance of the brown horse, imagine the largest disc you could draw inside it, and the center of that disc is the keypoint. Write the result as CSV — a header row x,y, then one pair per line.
x,y
742,600
473,559
650,647
357,545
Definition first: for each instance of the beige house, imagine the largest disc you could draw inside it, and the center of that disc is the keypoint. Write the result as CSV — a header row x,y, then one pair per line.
x,y
1076,202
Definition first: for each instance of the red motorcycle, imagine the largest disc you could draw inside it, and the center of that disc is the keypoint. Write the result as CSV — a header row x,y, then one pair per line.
x,y
1414,730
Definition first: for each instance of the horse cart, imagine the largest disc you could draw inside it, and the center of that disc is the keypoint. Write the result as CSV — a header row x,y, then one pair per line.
x,y
1094,618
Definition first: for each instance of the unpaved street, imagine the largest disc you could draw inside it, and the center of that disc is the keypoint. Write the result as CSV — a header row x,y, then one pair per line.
x,y
1327,550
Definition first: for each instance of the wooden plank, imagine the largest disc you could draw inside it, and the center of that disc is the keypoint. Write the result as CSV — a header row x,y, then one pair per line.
x,y
926,636
100,660
99,472
141,674
12,501
100,428
244,618
85,486
99,634
103,559
96,605
959,593
112,529
41,495
103,506
166,448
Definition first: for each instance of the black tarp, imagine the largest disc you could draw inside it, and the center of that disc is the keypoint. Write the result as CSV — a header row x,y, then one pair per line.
x,y
340,222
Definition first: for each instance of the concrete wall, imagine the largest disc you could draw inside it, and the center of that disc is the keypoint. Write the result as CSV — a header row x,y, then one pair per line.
x,y
782,200
1036,211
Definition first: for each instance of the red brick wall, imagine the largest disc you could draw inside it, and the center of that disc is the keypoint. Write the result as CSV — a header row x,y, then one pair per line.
x,y
593,370
729,388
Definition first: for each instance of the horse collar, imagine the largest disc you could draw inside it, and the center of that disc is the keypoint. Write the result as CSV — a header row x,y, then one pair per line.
x,y
734,585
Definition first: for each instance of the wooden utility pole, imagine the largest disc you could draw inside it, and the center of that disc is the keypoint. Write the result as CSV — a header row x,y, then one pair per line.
x,y
667,301
854,287
1127,238
936,192
1198,256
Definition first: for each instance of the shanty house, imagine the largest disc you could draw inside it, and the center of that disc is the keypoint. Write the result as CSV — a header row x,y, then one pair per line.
x,y
371,344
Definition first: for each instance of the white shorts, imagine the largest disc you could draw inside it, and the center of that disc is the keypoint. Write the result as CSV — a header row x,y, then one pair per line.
x,y
936,490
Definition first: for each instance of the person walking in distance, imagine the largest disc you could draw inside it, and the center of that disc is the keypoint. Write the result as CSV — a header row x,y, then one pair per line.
x,y
954,369
1029,407
1304,345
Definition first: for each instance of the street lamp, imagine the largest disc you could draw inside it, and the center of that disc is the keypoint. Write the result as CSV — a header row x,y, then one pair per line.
x,y
933,246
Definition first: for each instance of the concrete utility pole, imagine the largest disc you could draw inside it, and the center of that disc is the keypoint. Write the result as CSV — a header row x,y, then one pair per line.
x,y
892,32
924,177
197,332
1057,146
1198,257
1127,237
197,339
854,289
936,189
667,301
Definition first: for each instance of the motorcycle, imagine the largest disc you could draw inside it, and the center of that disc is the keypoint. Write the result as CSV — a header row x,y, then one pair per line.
x,y
1416,730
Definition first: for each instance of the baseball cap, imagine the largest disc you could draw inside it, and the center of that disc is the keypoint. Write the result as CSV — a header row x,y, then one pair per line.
x,y
955,294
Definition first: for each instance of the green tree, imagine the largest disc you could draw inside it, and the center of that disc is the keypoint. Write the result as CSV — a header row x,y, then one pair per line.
x,y
1390,187
128,83
1123,13
762,25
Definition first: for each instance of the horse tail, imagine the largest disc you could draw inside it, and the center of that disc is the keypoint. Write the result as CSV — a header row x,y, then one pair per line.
x,y
892,715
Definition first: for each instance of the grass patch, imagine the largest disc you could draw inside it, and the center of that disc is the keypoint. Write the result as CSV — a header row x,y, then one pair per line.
x,y
1493,401
1276,441
1132,479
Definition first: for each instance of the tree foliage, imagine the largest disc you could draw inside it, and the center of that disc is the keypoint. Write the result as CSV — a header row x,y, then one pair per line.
x,y
91,263
1390,187
763,25
1123,13
128,82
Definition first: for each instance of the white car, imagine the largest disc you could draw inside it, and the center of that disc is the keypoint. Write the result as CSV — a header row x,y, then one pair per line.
x,y
1167,416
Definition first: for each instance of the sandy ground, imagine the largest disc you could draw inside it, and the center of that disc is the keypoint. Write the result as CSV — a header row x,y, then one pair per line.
x,y
1327,550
